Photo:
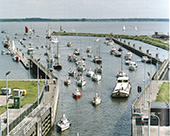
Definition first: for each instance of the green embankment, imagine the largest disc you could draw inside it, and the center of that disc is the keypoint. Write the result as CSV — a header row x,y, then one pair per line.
x,y
164,93
29,86
149,40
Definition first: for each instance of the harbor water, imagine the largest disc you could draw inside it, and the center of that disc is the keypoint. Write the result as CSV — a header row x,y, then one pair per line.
x,y
113,116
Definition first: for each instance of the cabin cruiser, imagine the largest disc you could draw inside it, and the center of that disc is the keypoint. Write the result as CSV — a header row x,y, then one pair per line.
x,y
99,69
96,77
16,58
89,73
54,40
122,88
133,66
89,49
81,68
121,73
81,81
128,61
69,44
77,94
64,123
30,50
67,81
146,59
113,51
128,56
97,59
110,42
71,72
118,54
72,57
96,100
76,51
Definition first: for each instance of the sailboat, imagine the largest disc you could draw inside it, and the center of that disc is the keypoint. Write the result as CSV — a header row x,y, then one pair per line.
x,y
97,59
57,65
124,28
48,33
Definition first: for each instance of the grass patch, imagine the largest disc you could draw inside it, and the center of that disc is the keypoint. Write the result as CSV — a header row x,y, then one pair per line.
x,y
164,93
29,86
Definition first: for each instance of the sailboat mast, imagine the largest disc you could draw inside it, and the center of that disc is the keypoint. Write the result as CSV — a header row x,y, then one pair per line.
x,y
58,54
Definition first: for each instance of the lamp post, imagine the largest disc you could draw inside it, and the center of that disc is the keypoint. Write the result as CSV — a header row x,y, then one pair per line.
x,y
157,66
38,83
7,91
158,122
149,104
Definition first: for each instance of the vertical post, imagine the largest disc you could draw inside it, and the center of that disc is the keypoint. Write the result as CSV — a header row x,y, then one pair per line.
x,y
149,102
7,91
0,128
37,85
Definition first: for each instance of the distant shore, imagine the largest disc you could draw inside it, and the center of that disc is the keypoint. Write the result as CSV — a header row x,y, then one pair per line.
x,y
84,20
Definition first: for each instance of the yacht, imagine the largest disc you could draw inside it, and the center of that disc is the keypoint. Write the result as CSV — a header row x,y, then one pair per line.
x,y
30,50
64,123
118,54
76,51
121,73
96,100
69,44
110,42
99,69
113,51
128,56
122,88
81,81
71,72
77,94
133,66
146,59
67,81
128,61
89,73
96,77
97,59
89,49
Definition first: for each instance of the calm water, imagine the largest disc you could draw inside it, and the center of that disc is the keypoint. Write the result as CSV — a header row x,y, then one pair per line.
x,y
113,116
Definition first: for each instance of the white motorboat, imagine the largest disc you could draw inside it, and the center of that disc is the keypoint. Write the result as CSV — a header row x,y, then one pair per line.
x,y
118,54
97,59
81,81
54,40
16,58
89,49
133,66
99,69
72,72
30,50
96,77
128,56
69,44
113,51
76,51
97,40
122,88
64,123
110,42
121,73
89,73
72,57
67,81
96,100
127,62
77,94
146,59
81,68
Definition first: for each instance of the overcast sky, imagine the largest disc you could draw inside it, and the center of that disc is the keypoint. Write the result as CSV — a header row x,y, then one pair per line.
x,y
84,8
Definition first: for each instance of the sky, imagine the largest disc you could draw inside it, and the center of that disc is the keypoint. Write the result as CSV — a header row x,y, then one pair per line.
x,y
84,8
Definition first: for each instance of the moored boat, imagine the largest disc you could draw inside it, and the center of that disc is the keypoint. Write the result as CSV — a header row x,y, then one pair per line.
x,y
122,88
77,94
96,77
133,66
67,81
96,100
64,123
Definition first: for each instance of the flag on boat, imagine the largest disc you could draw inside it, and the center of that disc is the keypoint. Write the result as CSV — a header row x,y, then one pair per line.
x,y
26,29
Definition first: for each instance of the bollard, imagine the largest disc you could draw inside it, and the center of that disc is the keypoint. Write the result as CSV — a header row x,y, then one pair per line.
x,y
157,55
133,45
140,48
147,51
120,39
128,43
124,41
